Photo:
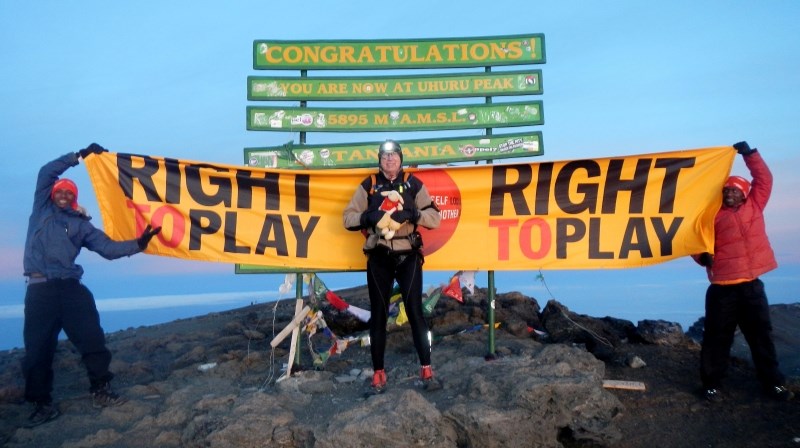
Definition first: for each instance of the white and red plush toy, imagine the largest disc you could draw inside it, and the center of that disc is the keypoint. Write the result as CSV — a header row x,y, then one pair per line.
x,y
392,201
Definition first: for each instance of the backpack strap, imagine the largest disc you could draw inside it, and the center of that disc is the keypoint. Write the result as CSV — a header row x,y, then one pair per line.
x,y
375,187
374,181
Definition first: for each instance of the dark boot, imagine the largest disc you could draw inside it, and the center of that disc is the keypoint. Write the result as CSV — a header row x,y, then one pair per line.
x,y
42,413
104,397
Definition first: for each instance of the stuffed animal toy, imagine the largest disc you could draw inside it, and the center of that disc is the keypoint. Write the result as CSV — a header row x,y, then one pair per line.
x,y
392,201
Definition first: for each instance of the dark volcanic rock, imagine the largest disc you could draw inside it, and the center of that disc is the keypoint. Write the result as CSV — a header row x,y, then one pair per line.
x,y
213,381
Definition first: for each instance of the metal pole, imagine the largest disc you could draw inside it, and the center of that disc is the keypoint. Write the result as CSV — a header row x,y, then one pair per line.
x,y
299,279
303,74
490,317
490,295
299,296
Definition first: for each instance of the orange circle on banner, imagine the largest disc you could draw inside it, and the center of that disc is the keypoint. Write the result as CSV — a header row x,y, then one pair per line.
x,y
447,197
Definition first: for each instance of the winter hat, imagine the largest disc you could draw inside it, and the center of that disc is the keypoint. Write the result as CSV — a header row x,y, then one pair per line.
x,y
66,184
390,146
738,182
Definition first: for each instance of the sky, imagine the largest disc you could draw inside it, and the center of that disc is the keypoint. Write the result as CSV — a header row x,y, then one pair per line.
x,y
169,79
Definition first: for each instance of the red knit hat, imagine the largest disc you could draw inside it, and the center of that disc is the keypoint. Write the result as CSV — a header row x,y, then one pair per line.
x,y
738,182
66,184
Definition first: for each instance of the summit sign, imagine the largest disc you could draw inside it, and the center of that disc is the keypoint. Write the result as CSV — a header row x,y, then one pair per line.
x,y
417,53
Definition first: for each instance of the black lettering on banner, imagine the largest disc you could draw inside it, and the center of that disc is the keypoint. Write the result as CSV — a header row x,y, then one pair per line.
x,y
197,229
230,235
635,238
302,194
544,178
666,236
173,195
144,174
568,230
194,185
270,183
594,242
670,185
272,222
515,190
589,191
303,235
636,186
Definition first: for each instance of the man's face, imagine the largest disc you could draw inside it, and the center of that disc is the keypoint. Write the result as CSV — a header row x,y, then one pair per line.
x,y
390,164
732,197
63,198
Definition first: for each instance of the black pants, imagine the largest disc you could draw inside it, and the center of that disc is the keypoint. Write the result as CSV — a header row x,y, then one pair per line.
x,y
745,305
50,307
382,271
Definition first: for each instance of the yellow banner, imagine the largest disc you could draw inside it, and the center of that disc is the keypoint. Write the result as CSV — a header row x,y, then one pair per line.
x,y
613,212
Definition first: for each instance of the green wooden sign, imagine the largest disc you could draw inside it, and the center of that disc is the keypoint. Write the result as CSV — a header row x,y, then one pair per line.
x,y
258,269
416,118
527,82
415,152
414,53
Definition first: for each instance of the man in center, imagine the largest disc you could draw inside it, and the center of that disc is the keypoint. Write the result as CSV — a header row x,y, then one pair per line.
x,y
398,258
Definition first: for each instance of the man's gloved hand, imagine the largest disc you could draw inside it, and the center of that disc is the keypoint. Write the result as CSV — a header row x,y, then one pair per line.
x,y
147,235
743,148
371,217
706,259
94,148
408,214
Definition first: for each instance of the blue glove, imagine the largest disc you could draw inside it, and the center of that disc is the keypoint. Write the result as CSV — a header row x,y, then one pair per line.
x,y
371,217
94,148
147,235
408,214
743,148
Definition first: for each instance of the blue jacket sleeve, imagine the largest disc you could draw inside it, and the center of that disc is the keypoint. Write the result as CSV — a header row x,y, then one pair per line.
x,y
97,241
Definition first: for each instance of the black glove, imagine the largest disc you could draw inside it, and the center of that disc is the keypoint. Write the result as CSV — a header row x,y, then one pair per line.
x,y
147,235
94,148
743,148
407,214
706,259
371,217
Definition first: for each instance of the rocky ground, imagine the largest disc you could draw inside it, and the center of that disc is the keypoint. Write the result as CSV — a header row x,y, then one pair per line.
x,y
211,381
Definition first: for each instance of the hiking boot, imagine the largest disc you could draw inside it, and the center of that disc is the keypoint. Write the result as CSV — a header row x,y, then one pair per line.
x,y
780,393
43,413
104,397
429,383
712,395
378,382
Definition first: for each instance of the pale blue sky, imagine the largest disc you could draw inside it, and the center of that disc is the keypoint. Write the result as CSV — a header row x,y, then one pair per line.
x,y
622,77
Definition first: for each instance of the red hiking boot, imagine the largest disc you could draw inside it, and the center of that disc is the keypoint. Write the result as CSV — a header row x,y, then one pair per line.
x,y
429,383
378,382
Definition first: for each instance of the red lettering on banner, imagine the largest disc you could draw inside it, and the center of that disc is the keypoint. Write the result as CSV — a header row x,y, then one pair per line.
x,y
574,230
157,218
526,242
503,235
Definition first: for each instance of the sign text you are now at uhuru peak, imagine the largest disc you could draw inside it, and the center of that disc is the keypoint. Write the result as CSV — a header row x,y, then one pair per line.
x,y
525,82
412,53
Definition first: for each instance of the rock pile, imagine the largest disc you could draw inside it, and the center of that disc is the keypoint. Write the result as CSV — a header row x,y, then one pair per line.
x,y
212,381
